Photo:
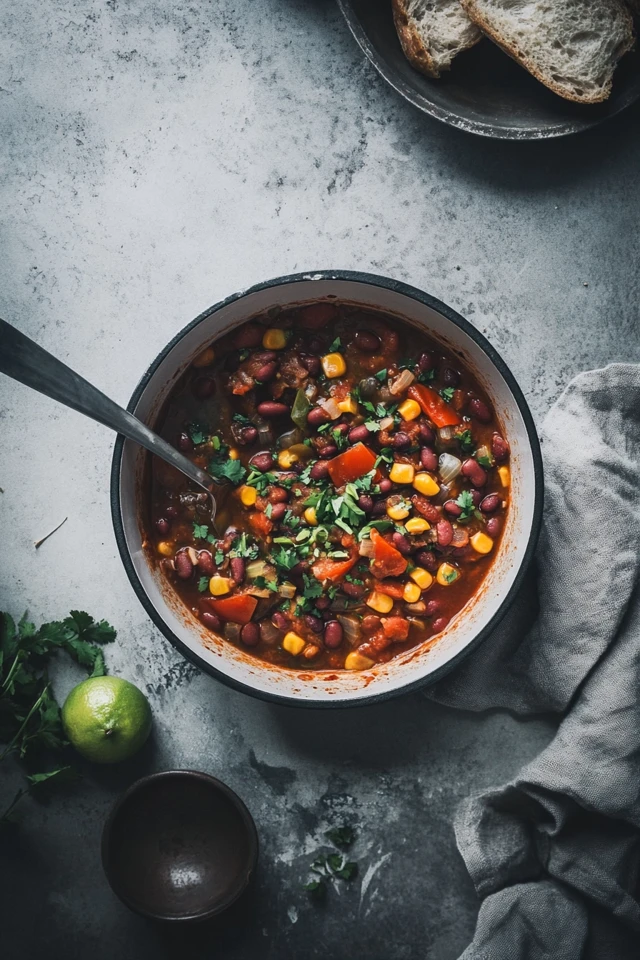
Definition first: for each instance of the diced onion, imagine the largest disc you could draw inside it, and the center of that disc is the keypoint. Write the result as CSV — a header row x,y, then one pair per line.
x,y
366,548
386,423
331,408
232,631
460,537
448,467
446,434
287,590
401,383
483,453
351,627
265,436
259,568
418,607
262,592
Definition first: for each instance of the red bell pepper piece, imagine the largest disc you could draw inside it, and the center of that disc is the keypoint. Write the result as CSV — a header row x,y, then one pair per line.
x,y
396,628
432,404
260,523
391,588
332,569
387,561
351,464
238,609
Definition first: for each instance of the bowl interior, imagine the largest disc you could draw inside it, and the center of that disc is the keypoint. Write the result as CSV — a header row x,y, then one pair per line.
x,y
416,666
485,92
178,847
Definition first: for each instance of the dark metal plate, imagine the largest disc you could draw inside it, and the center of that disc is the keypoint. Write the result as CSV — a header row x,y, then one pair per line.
x,y
485,91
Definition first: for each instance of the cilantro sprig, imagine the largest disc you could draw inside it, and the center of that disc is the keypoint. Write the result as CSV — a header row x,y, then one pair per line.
x,y
328,868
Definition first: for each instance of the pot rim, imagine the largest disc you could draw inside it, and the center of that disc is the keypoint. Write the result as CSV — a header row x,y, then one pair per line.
x,y
396,286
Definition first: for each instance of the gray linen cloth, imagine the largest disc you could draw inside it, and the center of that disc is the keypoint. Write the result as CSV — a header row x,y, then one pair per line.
x,y
555,855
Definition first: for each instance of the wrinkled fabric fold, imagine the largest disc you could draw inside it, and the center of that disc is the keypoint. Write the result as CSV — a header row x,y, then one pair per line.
x,y
555,855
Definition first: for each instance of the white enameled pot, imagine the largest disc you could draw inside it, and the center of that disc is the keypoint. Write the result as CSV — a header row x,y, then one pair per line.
x,y
419,666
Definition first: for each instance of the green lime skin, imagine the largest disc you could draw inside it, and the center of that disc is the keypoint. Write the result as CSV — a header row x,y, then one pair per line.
x,y
107,719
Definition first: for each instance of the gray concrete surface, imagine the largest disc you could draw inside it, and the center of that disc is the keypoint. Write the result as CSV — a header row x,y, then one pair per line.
x,y
155,158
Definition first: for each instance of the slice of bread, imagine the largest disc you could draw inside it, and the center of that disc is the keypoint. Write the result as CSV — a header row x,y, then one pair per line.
x,y
572,46
433,32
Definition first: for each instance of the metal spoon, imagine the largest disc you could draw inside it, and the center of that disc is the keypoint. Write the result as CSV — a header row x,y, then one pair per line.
x,y
24,360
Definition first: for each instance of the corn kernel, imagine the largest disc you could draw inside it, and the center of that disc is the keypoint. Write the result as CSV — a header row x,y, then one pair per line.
x,y
293,644
505,476
409,410
416,525
398,511
447,574
355,661
274,339
402,473
411,593
248,495
348,406
380,602
233,454
220,585
205,359
425,484
286,459
311,516
165,549
334,365
481,543
422,577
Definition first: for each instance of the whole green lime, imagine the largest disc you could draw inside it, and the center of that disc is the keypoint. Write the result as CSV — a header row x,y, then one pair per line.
x,y
107,719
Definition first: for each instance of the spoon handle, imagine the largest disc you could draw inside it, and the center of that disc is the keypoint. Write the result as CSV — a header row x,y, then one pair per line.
x,y
24,360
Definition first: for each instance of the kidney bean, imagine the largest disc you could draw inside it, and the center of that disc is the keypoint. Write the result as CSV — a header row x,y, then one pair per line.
x,y
439,624
476,497
247,435
427,436
277,495
425,508
317,345
163,526
184,442
429,459
319,470
400,440
499,447
237,566
250,335
332,634
279,620
211,621
433,607
368,387
494,525
385,485
490,503
358,434
272,408
206,566
314,623
452,508
472,470
278,511
451,377
322,603
250,634
353,590
479,410
444,531
329,451
428,560
204,387
425,362
401,544
266,372
370,623
171,512
312,364
262,461
367,342
379,508
365,502
183,565
317,416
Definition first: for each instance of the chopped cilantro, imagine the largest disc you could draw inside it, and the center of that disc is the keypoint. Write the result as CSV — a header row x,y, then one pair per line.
x,y
218,557
447,393
197,433
242,548
485,461
337,343
200,531
203,584
265,584
231,470
284,560
465,502
215,443
465,440
426,376
381,375
372,426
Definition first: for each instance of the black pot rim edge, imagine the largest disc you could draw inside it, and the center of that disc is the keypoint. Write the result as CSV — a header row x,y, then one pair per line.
x,y
414,293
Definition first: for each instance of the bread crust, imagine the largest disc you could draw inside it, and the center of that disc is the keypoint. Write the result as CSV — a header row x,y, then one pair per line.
x,y
413,46
513,50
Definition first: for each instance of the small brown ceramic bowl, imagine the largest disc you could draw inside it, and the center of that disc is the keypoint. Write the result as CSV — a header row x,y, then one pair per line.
x,y
179,845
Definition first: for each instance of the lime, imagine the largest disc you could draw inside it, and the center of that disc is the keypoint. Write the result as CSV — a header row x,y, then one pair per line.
x,y
107,719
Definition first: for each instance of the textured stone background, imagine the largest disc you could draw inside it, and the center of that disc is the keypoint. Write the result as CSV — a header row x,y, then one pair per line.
x,y
155,158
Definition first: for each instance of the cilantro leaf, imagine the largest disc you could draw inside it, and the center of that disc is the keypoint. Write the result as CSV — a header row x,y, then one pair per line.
x,y
465,440
341,836
466,504
231,470
200,531
381,375
337,343
447,393
203,584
